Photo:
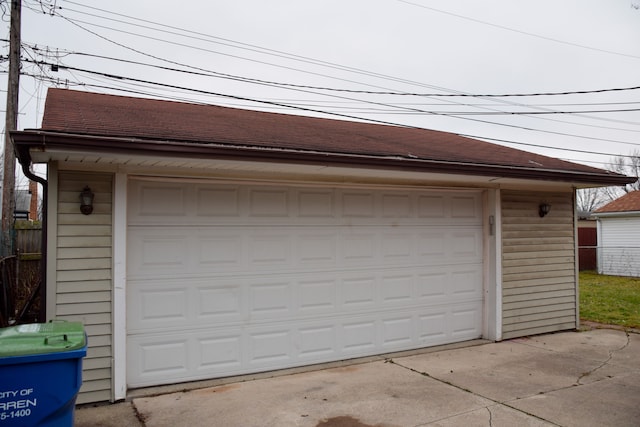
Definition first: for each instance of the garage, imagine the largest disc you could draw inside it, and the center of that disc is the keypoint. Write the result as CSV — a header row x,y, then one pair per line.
x,y
228,278
228,241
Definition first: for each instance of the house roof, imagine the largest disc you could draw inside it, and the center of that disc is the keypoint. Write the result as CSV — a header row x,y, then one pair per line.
x,y
99,122
630,202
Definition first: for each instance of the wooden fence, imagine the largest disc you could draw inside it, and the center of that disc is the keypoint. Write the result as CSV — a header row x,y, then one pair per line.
x,y
28,240
587,245
20,276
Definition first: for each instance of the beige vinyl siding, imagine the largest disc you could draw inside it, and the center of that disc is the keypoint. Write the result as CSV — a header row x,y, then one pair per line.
x,y
538,260
84,272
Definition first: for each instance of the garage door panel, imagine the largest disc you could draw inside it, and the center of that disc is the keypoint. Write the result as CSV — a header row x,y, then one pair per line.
x,y
466,206
158,358
318,341
358,337
358,204
187,302
465,244
397,331
432,285
460,244
397,288
247,277
446,324
269,202
398,247
221,201
223,351
149,199
315,204
358,292
466,321
452,283
220,251
195,250
358,248
161,358
432,245
317,249
432,206
270,299
317,295
211,204
158,306
270,250
396,206
219,353
463,282
270,347
432,326
164,305
219,303
159,251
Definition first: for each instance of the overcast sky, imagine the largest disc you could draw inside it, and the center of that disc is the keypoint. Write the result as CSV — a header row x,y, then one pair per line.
x,y
328,56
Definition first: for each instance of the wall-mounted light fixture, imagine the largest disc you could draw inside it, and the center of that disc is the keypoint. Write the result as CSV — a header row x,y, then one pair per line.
x,y
544,209
86,201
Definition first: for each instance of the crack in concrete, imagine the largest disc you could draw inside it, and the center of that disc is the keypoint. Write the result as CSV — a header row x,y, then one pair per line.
x,y
139,415
606,362
627,333
455,415
496,402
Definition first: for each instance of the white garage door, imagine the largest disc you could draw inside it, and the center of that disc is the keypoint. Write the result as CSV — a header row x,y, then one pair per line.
x,y
226,279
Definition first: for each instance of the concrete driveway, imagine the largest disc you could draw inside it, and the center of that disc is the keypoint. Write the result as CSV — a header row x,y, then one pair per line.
x,y
589,378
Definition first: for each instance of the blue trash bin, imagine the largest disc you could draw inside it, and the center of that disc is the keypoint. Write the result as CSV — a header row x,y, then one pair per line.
x,y
40,373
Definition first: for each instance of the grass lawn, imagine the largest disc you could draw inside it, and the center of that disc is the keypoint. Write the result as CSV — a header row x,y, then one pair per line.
x,y
610,299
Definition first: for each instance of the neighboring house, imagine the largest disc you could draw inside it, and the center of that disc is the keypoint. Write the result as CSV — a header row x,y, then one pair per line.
x,y
26,207
23,204
619,236
225,241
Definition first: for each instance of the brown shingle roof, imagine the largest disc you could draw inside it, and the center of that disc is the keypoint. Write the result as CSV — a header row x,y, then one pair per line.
x,y
98,123
630,202
118,116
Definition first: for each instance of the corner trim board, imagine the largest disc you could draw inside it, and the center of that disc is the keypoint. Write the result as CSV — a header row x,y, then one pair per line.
x,y
119,310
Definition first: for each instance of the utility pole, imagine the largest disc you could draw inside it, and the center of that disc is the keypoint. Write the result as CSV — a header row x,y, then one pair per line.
x,y
11,123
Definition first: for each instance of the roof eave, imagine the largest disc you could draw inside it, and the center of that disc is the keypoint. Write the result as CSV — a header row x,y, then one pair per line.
x,y
615,214
28,140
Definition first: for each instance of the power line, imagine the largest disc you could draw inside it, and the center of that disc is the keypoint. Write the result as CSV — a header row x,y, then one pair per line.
x,y
303,59
502,27
340,114
209,73
254,48
540,146
354,91
558,104
523,113
311,61
325,112
575,104
504,141
370,110
316,62
293,57
249,47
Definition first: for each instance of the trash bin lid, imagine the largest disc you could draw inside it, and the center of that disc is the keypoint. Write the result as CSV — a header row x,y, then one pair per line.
x,y
40,338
